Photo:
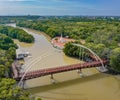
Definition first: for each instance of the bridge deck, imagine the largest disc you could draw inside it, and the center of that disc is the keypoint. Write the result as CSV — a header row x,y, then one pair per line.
x,y
50,71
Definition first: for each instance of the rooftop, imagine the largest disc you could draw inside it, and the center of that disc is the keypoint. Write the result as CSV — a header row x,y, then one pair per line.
x,y
59,42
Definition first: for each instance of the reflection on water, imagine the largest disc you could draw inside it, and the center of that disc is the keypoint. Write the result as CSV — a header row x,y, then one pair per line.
x,y
69,85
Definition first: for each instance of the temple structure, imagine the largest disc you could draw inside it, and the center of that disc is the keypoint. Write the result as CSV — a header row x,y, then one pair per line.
x,y
59,42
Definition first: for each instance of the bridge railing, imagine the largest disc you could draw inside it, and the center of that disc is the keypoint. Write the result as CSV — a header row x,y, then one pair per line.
x,y
49,71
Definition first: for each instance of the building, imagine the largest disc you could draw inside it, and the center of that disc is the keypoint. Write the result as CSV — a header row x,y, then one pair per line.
x,y
19,54
59,42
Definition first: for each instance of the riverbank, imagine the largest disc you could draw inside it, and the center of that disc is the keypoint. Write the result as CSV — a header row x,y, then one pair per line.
x,y
40,32
23,44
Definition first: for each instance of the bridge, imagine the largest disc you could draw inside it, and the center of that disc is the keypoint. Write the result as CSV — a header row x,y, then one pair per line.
x,y
51,71
96,61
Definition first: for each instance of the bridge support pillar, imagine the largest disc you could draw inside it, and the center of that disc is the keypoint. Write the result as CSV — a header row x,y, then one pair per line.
x,y
80,72
52,78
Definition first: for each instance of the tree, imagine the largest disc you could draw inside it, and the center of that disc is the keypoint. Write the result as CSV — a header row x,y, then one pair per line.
x,y
16,33
8,90
71,50
2,70
115,59
12,52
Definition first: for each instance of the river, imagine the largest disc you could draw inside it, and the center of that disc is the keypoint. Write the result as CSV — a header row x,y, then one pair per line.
x,y
69,85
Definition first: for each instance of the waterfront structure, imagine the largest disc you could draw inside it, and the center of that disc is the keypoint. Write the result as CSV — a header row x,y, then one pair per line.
x,y
59,42
20,54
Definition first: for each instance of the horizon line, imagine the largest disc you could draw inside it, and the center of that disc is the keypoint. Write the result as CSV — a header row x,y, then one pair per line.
x,y
60,15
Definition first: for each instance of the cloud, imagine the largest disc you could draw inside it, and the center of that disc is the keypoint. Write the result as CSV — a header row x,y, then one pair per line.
x,y
59,7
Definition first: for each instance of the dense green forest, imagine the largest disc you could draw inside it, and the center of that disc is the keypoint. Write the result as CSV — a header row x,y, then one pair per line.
x,y
8,90
102,35
17,33
75,29
7,53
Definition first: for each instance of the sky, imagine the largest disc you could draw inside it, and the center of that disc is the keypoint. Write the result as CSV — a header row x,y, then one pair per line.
x,y
60,7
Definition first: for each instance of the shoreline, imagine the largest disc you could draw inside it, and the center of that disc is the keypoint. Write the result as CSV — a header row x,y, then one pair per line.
x,y
39,32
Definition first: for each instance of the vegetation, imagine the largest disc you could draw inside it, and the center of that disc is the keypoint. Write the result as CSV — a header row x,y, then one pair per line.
x,y
16,33
100,34
8,89
115,59
75,28
6,42
7,54
14,19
